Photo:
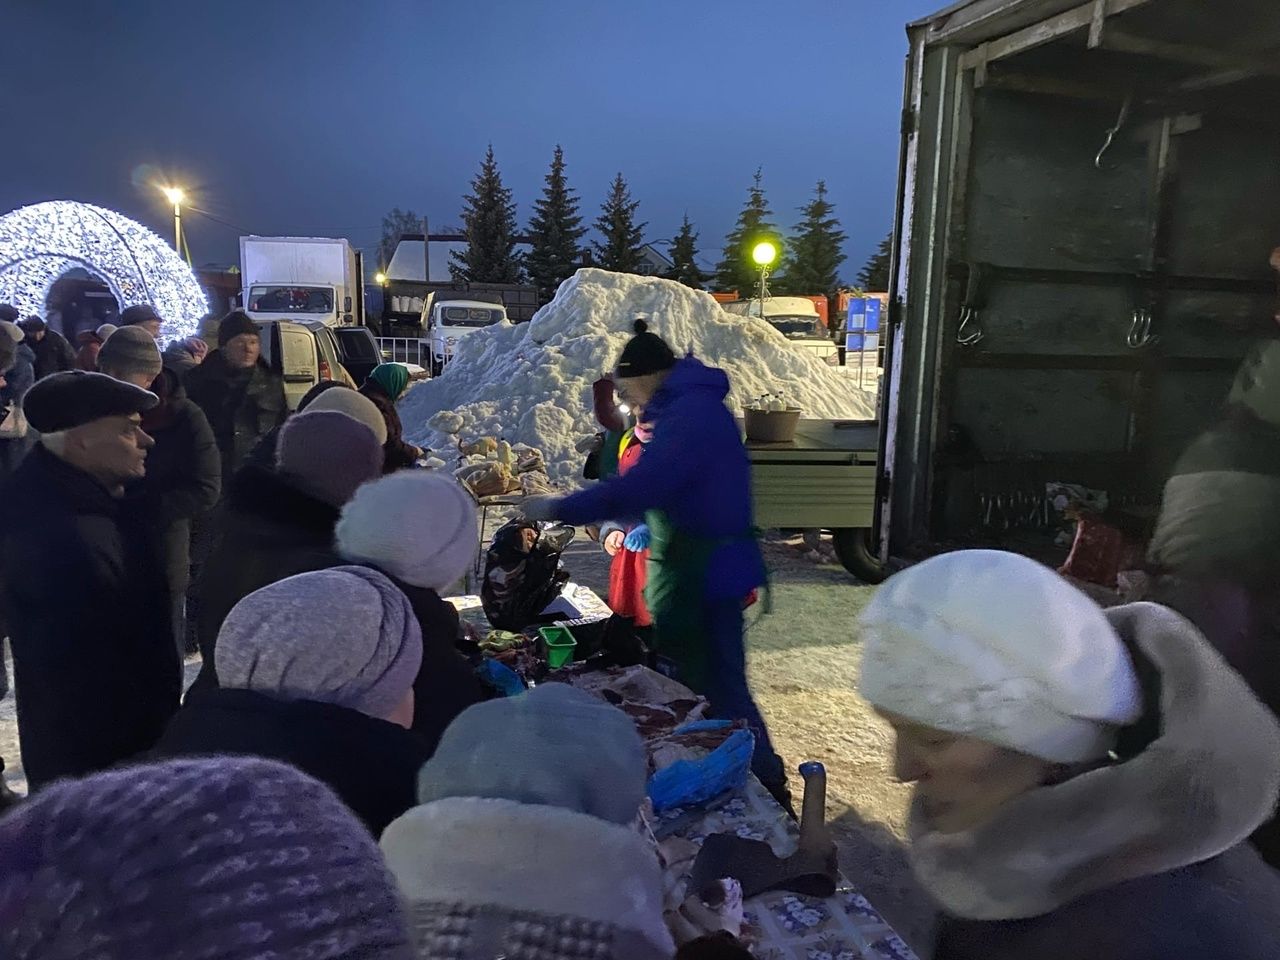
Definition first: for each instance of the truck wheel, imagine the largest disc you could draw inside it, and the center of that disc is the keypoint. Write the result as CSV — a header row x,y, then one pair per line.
x,y
436,367
855,553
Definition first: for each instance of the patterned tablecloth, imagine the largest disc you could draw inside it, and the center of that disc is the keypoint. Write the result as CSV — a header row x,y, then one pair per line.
x,y
788,926
778,926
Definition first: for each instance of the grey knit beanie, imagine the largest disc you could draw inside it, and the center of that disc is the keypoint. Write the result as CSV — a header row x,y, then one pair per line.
x,y
328,454
130,350
554,746
217,857
417,525
346,635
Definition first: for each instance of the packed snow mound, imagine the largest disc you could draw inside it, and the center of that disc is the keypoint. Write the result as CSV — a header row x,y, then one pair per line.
x,y
530,383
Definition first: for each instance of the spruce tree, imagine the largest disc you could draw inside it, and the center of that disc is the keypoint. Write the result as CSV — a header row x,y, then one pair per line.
x,y
874,275
815,255
737,271
617,224
489,222
684,251
554,231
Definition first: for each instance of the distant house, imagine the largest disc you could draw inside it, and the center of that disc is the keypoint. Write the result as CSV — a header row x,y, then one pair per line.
x,y
653,262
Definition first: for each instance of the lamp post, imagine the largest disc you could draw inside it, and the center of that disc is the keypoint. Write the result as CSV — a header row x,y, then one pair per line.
x,y
175,195
764,253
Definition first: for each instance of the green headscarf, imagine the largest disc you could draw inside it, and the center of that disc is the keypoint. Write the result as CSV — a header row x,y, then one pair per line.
x,y
391,377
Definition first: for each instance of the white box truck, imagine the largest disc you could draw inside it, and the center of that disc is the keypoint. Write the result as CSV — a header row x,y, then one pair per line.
x,y
302,278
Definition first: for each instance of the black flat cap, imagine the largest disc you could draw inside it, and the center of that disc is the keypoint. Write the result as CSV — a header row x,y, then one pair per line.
x,y
139,313
66,400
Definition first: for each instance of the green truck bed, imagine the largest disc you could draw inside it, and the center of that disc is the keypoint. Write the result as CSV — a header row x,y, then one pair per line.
x,y
825,479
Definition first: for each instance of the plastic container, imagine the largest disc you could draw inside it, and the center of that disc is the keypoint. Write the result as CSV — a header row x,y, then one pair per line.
x,y
771,426
559,644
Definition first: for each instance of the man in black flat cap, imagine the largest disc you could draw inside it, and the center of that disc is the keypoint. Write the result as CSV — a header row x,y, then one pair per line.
x,y
95,669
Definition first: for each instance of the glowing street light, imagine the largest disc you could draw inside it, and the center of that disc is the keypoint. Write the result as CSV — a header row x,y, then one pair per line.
x,y
765,254
380,278
176,195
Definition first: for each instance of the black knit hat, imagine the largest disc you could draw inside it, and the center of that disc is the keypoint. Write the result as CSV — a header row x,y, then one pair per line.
x,y
62,401
9,312
235,323
139,313
645,353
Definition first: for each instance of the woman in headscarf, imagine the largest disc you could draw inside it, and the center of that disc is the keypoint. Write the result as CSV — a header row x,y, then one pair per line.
x,y
386,385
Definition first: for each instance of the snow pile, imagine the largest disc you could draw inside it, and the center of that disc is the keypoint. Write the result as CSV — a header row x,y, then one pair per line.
x,y
530,383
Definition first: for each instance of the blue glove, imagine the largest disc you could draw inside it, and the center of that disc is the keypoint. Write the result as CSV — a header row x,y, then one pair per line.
x,y
638,539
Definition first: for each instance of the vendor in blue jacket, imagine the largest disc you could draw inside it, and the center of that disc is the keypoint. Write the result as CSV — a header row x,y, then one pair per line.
x,y
693,489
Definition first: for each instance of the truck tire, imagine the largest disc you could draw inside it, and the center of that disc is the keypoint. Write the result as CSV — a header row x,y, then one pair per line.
x,y
855,553
436,367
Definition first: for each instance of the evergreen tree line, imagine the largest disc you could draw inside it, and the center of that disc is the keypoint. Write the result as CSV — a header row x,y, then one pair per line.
x,y
810,260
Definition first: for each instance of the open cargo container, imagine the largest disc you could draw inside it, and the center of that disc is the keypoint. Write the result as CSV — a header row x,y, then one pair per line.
x,y
1089,193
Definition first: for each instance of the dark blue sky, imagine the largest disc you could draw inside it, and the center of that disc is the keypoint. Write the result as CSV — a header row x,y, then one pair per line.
x,y
316,117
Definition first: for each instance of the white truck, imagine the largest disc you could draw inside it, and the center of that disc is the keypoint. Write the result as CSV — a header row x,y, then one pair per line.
x,y
302,278
446,322
796,318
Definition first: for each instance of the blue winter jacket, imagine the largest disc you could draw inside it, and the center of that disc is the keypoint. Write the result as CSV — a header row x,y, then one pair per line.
x,y
696,471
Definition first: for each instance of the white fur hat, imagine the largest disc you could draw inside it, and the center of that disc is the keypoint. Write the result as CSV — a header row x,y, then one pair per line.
x,y
995,646
417,525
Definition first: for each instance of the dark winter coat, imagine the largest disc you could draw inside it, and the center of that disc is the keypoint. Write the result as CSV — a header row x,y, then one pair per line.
x,y
696,472
446,683
270,530
53,353
18,381
397,454
1141,859
184,476
371,764
240,405
95,666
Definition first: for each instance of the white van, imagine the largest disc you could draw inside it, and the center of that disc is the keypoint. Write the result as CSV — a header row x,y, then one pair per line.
x,y
448,322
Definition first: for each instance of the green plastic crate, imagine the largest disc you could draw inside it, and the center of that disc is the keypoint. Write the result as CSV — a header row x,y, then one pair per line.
x,y
560,645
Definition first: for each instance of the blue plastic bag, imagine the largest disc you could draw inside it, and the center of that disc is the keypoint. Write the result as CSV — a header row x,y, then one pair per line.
x,y
501,677
688,783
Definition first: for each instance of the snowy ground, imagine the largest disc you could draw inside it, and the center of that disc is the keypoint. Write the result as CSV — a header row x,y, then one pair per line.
x,y
803,662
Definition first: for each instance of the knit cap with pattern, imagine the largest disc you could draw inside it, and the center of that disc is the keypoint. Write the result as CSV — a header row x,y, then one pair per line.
x,y
346,635
130,350
221,857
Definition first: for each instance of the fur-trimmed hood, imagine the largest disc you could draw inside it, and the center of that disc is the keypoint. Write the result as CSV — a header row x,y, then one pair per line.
x,y
505,865
1206,780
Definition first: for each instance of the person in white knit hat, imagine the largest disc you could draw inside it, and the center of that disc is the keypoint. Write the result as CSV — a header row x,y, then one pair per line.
x,y
420,529
1084,779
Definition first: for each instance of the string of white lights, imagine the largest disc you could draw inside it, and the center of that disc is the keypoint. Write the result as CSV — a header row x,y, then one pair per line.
x,y
40,243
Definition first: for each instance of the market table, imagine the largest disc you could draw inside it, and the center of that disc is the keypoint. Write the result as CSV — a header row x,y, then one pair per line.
x,y
777,925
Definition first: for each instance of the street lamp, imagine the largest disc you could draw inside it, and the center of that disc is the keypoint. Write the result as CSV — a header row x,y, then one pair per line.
x,y
764,253
380,278
175,195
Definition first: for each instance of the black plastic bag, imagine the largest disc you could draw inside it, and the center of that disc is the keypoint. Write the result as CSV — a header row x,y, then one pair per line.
x,y
522,573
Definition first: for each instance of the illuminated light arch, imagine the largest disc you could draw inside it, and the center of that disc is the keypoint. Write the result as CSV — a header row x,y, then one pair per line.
x,y
40,243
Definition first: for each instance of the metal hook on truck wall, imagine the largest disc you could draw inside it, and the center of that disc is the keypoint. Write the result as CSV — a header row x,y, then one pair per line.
x,y
1111,133
1140,330
969,315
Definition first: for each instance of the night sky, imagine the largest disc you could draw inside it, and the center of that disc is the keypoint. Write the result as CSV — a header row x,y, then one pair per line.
x,y
316,117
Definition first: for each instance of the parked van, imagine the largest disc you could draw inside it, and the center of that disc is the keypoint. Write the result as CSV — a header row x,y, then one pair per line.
x,y
303,354
796,318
